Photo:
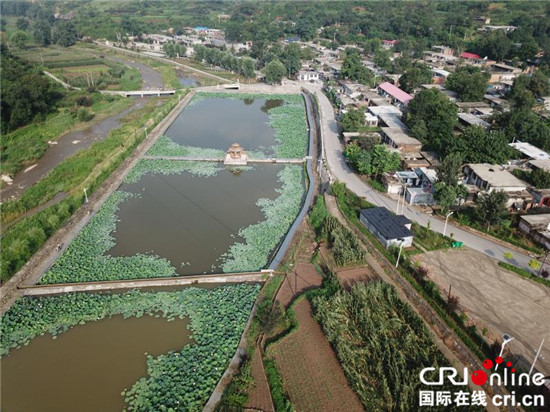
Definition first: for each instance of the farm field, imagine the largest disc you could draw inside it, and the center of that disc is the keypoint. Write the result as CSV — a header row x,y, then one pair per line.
x,y
518,306
350,276
381,343
81,67
312,375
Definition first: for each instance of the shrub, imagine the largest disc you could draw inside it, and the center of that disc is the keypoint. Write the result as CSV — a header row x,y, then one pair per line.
x,y
84,115
84,101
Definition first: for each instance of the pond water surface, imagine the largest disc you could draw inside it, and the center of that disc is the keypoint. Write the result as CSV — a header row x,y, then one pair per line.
x,y
86,368
191,220
219,122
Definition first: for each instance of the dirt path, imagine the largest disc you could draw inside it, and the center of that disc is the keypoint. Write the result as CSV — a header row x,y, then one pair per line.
x,y
259,398
311,372
518,306
303,277
31,272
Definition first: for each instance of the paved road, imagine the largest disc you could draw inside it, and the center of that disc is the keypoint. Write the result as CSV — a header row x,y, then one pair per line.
x,y
340,170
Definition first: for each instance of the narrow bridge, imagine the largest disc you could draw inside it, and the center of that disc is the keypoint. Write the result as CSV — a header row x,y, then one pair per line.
x,y
125,93
141,93
54,289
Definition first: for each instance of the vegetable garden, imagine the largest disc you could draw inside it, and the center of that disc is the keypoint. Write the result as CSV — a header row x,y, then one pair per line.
x,y
178,380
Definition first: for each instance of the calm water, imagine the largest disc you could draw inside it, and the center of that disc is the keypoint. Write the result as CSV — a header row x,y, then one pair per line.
x,y
86,368
219,122
190,220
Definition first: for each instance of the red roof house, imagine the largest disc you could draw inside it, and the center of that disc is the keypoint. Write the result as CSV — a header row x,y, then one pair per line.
x,y
398,96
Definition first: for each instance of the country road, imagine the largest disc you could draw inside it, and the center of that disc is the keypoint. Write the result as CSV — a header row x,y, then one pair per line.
x,y
340,170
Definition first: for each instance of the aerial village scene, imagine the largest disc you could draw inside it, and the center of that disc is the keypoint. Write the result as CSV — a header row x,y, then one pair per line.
x,y
274,205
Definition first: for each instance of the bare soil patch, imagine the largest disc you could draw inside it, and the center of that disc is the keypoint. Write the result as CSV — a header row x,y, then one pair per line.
x,y
311,372
350,276
301,278
501,300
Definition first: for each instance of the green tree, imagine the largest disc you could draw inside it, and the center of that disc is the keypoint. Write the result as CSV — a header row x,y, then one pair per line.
x,y
41,32
477,145
19,39
431,111
22,23
491,207
353,69
469,82
540,179
445,196
527,126
495,44
352,152
539,84
414,77
449,169
383,160
382,59
274,72
248,68
291,58
64,33
353,120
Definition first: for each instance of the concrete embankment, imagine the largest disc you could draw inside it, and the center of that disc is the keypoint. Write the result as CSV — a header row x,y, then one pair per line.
x,y
219,159
53,289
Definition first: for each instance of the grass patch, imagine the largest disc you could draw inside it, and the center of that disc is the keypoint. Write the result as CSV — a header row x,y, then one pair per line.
x,y
169,77
27,144
507,231
375,184
281,400
429,239
130,80
525,273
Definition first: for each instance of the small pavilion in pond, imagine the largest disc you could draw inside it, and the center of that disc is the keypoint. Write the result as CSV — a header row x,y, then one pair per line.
x,y
236,155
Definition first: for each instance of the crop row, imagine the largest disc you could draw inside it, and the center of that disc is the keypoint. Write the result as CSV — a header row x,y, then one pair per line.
x,y
181,380
84,258
262,238
382,345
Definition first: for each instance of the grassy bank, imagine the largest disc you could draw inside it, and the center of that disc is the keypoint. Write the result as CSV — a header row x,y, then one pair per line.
x,y
86,169
27,144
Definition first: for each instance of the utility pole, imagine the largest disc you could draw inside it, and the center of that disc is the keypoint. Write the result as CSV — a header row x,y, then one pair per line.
x,y
446,220
86,194
536,357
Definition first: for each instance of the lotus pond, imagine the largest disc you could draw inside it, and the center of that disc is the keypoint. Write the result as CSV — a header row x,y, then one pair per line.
x,y
181,218
267,125
136,350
